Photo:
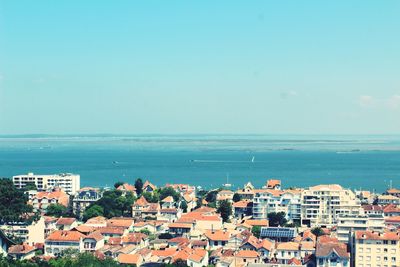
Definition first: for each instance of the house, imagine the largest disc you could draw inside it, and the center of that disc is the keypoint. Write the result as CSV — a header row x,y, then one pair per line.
x,y
264,247
372,209
142,208
387,199
242,208
22,252
244,257
152,226
108,232
42,200
5,243
168,203
217,238
190,200
94,241
149,187
65,223
140,240
130,259
332,254
169,214
180,229
121,222
60,240
127,188
391,210
393,192
98,221
83,198
225,195
273,184
198,258
27,232
287,250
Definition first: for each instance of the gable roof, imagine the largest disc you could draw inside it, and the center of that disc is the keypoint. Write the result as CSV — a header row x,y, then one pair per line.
x,y
65,221
61,235
326,249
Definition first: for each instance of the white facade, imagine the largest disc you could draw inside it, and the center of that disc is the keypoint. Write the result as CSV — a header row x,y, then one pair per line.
x,y
348,223
322,204
267,201
69,183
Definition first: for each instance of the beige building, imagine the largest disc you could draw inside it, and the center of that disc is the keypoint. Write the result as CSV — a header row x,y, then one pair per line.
x,y
348,224
68,182
30,234
374,249
322,204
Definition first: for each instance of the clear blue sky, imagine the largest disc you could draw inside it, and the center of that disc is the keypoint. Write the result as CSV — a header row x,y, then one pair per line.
x,y
294,67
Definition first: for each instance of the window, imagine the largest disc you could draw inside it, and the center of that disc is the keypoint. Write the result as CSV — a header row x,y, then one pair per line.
x,y
393,242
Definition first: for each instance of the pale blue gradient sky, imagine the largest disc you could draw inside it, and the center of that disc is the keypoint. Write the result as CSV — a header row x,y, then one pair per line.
x,y
294,67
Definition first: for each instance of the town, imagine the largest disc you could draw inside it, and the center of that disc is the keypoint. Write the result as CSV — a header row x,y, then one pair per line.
x,y
45,218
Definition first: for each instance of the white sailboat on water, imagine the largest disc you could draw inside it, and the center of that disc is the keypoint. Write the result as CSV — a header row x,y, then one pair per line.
x,y
227,181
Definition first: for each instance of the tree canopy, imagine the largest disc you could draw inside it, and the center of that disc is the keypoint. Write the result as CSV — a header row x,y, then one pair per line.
x,y
12,202
236,197
317,231
277,219
225,209
139,186
56,210
256,231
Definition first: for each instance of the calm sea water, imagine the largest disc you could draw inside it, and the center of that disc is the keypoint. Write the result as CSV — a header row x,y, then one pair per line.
x,y
367,162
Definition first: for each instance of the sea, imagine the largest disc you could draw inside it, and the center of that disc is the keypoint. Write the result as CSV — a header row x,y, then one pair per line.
x,y
355,162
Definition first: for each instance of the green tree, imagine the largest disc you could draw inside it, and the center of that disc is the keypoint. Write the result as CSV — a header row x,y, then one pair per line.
x,y
169,191
12,202
236,197
184,206
56,210
118,184
145,231
199,203
93,211
30,186
139,186
277,219
225,209
212,196
317,231
256,231
151,197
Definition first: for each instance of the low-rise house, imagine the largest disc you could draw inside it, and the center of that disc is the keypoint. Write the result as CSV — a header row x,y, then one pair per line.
x,y
93,242
198,258
225,195
393,222
60,240
130,259
127,188
140,240
83,198
287,250
242,208
42,200
22,252
202,219
151,226
273,184
244,257
121,222
332,254
180,229
149,187
391,210
65,223
168,203
387,199
393,192
190,200
169,214
108,232
98,221
217,238
264,247
142,208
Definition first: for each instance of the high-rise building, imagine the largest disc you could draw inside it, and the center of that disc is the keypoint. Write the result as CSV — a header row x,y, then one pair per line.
x,y
68,182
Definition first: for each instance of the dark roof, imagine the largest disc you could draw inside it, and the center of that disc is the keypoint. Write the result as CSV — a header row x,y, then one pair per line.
x,y
278,232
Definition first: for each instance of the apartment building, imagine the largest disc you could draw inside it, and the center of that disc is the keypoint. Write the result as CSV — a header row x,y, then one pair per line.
x,y
68,182
322,204
28,233
348,223
375,249
271,200
84,198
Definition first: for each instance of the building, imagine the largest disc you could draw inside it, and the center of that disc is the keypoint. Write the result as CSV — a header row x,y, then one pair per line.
x,y
22,252
387,199
5,243
29,233
242,208
322,204
393,192
332,254
271,200
349,223
42,200
374,249
68,182
83,198
60,240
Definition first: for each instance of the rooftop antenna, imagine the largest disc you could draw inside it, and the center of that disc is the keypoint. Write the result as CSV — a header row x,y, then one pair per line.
x,y
390,184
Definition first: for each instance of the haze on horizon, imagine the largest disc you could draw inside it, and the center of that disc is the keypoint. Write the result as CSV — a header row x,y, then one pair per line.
x,y
263,67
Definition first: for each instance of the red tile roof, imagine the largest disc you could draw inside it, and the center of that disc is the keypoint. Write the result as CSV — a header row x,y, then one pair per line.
x,y
65,221
65,236
370,235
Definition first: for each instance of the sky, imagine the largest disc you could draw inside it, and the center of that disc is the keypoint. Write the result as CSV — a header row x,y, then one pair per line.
x,y
220,67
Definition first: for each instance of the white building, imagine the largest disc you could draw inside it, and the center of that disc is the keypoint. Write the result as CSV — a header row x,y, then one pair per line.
x,y
68,182
269,200
322,204
348,224
28,233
